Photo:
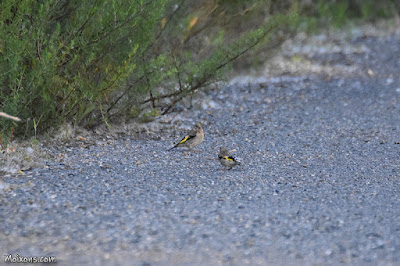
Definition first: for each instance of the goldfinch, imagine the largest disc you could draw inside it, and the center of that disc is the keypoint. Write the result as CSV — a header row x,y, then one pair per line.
x,y
226,159
193,138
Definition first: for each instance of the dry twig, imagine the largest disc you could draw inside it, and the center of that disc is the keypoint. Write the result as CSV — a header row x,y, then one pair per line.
x,y
9,116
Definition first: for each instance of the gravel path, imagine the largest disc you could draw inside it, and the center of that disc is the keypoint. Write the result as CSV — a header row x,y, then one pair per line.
x,y
319,180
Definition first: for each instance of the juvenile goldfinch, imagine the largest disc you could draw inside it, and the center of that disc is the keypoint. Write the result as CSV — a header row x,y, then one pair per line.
x,y
226,159
193,138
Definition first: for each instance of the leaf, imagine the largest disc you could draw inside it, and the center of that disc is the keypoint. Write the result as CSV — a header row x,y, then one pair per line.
x,y
163,23
193,22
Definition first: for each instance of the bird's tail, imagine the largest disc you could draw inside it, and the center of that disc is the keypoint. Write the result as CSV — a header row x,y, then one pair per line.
x,y
172,147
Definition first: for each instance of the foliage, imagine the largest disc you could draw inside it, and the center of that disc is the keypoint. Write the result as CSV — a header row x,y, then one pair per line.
x,y
61,59
87,61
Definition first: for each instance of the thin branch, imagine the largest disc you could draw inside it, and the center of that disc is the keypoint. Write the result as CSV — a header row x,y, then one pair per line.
x,y
9,116
52,8
178,73
106,50
176,93
64,6
208,76
123,94
166,24
105,35
84,23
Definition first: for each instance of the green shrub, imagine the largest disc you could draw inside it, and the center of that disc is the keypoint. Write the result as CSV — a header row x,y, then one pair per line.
x,y
87,61
61,59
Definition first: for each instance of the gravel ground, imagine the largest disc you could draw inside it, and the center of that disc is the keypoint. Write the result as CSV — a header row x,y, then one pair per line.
x,y
318,184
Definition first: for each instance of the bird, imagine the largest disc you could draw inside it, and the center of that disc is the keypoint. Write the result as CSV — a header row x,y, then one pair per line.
x,y
226,159
193,138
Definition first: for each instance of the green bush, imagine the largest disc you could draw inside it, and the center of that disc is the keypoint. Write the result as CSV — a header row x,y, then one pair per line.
x,y
61,59
87,61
